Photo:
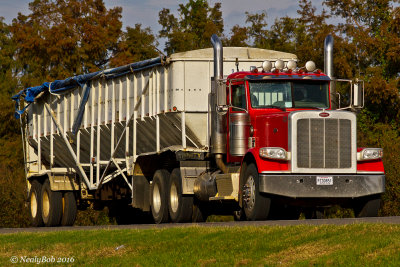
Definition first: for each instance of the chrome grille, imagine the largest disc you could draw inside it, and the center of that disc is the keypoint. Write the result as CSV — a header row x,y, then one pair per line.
x,y
324,143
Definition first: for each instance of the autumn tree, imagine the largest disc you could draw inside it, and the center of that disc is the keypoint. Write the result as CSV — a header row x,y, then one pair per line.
x,y
238,37
59,38
257,28
62,38
193,28
12,182
135,45
373,29
7,64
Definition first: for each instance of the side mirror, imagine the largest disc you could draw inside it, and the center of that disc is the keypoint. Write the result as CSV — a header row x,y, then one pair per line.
x,y
358,94
355,88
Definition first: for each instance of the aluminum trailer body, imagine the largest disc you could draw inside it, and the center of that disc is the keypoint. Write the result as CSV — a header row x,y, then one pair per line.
x,y
166,107
158,108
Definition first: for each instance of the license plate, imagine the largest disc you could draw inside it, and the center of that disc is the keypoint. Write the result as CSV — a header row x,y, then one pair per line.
x,y
324,180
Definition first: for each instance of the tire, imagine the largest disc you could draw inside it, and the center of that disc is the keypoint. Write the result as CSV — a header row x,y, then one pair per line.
x,y
255,205
51,205
180,207
69,209
159,196
35,204
314,214
200,213
367,207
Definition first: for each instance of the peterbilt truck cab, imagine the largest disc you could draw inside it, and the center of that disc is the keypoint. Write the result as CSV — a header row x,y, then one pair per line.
x,y
294,149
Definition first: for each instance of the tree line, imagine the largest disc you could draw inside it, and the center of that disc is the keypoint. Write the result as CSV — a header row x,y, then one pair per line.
x,y
63,38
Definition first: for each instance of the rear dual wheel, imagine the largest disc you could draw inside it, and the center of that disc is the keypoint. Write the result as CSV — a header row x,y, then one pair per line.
x,y
159,197
180,206
167,199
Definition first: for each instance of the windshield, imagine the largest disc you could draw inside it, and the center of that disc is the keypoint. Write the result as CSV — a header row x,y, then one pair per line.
x,y
289,94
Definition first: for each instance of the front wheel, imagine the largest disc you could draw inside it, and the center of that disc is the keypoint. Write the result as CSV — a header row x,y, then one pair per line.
x,y
256,205
367,207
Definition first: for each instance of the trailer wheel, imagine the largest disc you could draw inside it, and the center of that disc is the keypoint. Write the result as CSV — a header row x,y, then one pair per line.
x,y
256,206
69,209
51,205
367,207
35,205
159,196
180,207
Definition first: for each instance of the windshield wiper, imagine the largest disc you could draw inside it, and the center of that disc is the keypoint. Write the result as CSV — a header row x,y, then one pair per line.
x,y
310,107
273,106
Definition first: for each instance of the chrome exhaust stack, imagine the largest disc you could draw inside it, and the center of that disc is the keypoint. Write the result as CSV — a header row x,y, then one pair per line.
x,y
218,100
328,68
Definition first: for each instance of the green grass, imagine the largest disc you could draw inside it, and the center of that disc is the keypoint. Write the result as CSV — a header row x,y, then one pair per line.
x,y
348,245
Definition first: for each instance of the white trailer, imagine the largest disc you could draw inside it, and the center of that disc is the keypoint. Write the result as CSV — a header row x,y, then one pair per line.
x,y
116,135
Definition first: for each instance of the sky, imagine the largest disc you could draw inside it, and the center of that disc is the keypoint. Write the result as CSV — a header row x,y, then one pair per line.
x,y
146,11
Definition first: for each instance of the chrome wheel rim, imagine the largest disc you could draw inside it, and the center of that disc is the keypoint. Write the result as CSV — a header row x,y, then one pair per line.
x,y
156,198
46,204
174,201
249,192
34,204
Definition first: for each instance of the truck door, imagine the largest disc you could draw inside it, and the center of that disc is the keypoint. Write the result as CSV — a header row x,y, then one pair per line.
x,y
239,120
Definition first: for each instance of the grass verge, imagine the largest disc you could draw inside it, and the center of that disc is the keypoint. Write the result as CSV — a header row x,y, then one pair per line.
x,y
347,245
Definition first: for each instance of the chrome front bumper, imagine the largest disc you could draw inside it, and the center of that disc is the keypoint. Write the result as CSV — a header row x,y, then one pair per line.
x,y
305,186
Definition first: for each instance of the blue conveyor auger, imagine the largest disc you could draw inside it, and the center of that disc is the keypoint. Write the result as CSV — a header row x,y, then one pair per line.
x,y
62,86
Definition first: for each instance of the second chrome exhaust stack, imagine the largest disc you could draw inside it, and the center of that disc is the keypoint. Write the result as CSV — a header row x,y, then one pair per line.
x,y
218,98
328,67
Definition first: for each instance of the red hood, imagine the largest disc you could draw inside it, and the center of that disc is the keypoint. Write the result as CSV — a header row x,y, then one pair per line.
x,y
271,130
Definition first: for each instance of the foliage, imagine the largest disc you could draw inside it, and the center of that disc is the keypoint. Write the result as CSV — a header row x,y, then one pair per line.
x,y
8,80
372,29
12,176
239,37
377,134
137,44
62,38
196,24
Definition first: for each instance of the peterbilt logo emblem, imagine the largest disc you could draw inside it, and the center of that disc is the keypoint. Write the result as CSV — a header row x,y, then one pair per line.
x,y
324,114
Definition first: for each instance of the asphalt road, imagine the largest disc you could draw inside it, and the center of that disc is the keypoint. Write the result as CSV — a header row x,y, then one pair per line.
x,y
387,220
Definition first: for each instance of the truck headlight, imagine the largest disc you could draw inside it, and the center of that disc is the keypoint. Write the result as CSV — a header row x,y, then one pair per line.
x,y
274,153
370,154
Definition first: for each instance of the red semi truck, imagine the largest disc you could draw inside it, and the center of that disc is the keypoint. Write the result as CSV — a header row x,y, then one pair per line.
x,y
192,135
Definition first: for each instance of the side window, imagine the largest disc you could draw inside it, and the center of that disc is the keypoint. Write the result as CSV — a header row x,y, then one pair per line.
x,y
238,97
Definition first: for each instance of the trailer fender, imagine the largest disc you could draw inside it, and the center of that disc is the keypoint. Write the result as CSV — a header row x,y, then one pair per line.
x,y
63,182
